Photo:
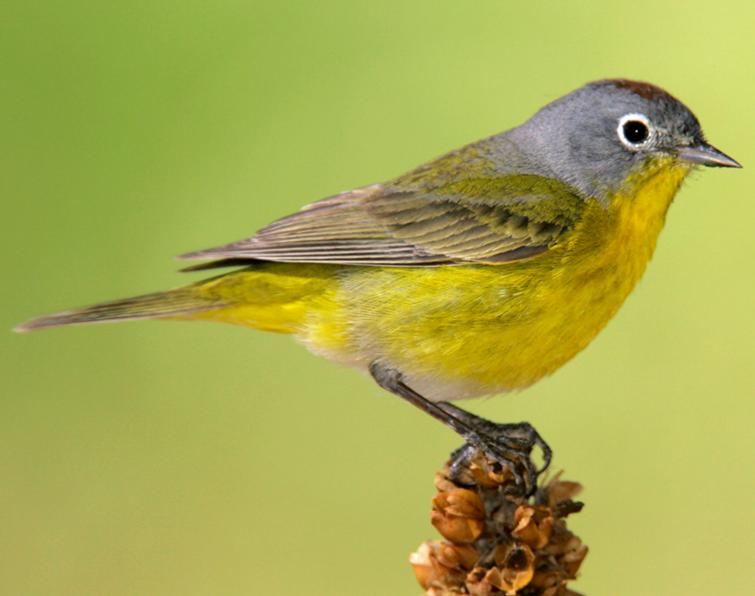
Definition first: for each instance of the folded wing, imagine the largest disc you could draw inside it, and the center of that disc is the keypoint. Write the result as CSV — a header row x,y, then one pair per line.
x,y
484,221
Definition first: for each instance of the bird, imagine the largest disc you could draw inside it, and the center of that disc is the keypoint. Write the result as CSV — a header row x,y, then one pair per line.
x,y
477,273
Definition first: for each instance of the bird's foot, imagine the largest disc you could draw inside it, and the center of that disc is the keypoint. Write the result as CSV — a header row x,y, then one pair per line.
x,y
509,445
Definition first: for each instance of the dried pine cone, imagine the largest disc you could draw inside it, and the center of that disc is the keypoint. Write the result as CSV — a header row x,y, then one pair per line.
x,y
498,541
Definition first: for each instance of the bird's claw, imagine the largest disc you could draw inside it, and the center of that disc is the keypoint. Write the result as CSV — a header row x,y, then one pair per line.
x,y
509,445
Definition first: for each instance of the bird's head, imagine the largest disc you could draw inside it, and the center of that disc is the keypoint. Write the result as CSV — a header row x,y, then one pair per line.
x,y
601,135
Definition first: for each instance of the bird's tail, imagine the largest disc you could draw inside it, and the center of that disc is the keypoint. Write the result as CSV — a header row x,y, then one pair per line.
x,y
269,296
173,303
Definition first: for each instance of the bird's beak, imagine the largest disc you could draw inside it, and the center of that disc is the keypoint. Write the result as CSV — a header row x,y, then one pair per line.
x,y
707,155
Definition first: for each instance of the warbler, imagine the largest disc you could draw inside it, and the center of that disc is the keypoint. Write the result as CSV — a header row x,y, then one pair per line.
x,y
479,272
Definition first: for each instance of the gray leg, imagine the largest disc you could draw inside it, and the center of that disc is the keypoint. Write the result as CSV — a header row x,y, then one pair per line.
x,y
508,444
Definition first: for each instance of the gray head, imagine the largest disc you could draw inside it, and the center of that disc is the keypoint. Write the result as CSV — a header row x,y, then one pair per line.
x,y
596,136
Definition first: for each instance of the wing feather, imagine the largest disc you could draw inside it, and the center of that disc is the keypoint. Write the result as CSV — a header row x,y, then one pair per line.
x,y
376,225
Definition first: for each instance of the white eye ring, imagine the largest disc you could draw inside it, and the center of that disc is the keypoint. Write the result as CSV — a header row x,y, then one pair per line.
x,y
640,118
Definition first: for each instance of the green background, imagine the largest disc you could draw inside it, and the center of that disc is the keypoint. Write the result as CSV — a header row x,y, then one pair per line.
x,y
198,459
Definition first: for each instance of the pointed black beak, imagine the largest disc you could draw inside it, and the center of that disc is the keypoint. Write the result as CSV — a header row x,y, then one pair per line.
x,y
707,155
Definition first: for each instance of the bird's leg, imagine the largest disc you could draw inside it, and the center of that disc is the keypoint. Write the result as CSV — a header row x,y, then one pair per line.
x,y
508,444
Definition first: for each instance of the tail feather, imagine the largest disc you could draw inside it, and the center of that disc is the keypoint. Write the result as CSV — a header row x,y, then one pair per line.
x,y
272,296
173,303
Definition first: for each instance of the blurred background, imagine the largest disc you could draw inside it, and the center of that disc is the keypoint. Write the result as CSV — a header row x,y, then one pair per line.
x,y
197,459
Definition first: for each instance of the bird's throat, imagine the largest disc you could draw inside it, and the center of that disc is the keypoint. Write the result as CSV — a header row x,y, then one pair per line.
x,y
636,216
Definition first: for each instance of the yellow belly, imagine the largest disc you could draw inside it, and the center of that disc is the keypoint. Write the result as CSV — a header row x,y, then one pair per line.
x,y
461,331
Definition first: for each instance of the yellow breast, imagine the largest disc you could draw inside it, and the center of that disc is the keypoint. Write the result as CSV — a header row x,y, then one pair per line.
x,y
596,269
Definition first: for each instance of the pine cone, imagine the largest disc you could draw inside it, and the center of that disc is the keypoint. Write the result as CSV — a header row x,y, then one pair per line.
x,y
498,541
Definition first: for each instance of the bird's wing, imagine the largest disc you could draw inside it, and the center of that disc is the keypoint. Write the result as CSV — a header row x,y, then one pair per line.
x,y
485,220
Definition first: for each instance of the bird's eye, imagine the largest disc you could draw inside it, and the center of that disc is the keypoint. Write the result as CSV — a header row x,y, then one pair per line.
x,y
634,130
